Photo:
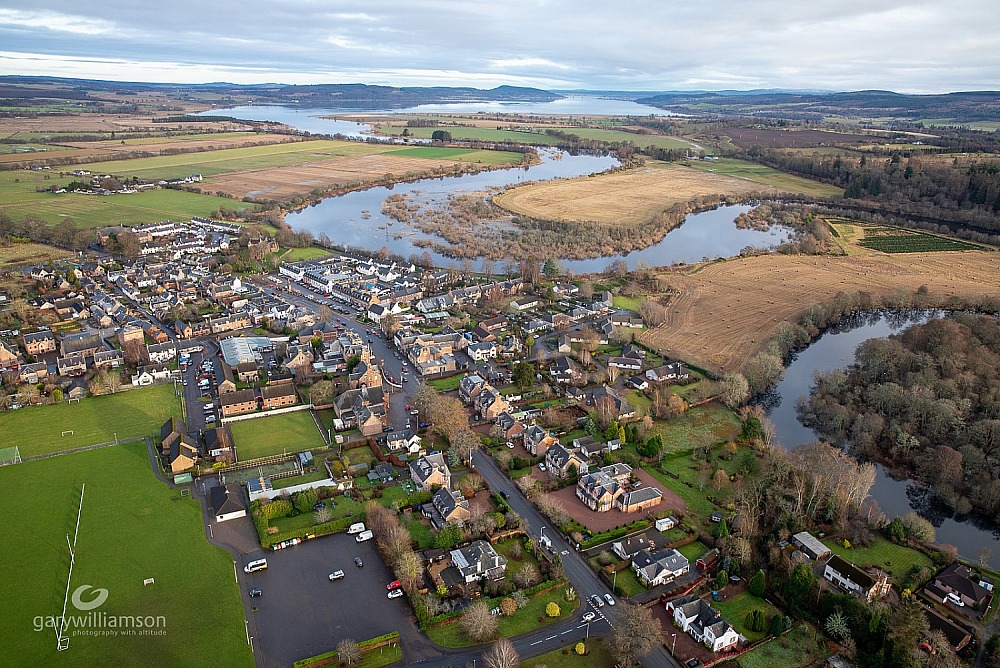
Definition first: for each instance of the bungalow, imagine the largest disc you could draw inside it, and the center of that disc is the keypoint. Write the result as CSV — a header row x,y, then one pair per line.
x,y
696,617
524,303
668,373
631,546
226,505
656,568
430,470
625,363
238,402
959,586
852,579
479,561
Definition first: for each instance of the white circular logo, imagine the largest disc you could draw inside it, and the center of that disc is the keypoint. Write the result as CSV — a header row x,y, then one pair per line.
x,y
100,596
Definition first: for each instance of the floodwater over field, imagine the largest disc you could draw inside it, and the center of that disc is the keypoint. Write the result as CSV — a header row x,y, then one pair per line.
x,y
833,350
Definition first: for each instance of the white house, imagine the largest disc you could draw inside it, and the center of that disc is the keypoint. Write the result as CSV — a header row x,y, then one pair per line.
x,y
696,617
656,568
226,506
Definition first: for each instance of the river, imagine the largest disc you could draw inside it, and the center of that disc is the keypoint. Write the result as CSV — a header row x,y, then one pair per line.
x,y
835,349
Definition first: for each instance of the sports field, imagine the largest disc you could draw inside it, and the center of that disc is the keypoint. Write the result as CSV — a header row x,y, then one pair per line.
x,y
132,527
37,430
274,435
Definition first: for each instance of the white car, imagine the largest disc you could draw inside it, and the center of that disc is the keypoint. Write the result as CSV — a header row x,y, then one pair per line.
x,y
541,466
336,575
395,593
610,599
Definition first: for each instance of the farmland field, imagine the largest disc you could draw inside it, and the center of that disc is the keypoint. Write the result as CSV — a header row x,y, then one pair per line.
x,y
29,253
275,434
132,528
859,238
37,430
725,312
766,176
622,198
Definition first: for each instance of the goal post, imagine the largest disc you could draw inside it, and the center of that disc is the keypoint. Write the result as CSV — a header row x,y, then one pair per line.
x,y
10,455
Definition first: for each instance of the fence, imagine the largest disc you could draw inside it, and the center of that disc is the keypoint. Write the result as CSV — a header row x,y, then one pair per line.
x,y
276,411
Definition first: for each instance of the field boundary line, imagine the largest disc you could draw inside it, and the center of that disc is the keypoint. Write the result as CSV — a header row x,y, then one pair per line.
x,y
83,449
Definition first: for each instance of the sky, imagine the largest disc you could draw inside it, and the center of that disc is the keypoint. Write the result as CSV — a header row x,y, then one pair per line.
x,y
912,46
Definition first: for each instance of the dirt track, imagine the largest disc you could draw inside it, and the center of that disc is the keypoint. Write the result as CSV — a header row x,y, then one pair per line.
x,y
726,312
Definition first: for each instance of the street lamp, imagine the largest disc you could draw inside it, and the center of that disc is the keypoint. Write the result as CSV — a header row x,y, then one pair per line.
x,y
673,645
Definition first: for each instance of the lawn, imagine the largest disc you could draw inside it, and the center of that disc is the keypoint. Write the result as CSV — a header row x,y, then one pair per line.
x,y
627,303
274,435
461,154
628,583
446,384
524,620
708,423
597,657
766,176
692,551
131,528
303,254
897,560
738,607
37,430
420,533
800,647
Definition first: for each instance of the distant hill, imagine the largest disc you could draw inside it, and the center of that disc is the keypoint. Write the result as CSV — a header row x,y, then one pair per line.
x,y
866,104
318,95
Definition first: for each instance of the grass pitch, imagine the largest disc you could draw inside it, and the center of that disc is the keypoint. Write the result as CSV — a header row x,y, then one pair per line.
x,y
37,430
132,527
274,435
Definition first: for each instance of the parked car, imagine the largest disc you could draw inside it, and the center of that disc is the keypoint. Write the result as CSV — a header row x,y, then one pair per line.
x,y
510,445
541,466
504,494
393,585
255,592
395,593
336,575
358,562
610,599
597,601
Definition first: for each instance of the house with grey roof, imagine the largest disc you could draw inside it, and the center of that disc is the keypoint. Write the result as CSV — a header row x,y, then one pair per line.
x,y
697,618
430,470
479,560
656,568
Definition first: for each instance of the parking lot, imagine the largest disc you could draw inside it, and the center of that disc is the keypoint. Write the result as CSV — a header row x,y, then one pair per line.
x,y
301,613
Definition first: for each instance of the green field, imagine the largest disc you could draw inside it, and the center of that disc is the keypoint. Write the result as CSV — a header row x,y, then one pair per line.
x,y
15,254
597,656
802,646
466,133
37,430
446,384
302,254
20,200
711,423
460,154
766,176
692,551
896,560
736,609
132,527
627,303
274,435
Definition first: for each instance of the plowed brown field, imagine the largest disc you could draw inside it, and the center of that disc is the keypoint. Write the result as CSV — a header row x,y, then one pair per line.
x,y
725,312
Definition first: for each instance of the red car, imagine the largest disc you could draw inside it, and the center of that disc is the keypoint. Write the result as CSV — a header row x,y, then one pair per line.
x,y
393,585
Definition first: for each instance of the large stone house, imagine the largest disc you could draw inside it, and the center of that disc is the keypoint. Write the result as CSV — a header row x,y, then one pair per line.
x,y
430,470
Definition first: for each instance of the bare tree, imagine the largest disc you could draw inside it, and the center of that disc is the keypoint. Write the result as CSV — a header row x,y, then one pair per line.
x,y
477,623
502,655
635,635
734,390
349,652
526,577
985,555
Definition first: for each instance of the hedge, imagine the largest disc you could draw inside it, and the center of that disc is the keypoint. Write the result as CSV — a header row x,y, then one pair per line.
x,y
601,538
334,526
380,641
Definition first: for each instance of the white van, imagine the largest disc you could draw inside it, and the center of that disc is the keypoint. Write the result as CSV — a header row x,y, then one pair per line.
x,y
258,565
357,527
363,536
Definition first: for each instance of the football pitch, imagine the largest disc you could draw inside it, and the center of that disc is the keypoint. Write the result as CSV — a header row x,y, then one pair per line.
x,y
169,597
